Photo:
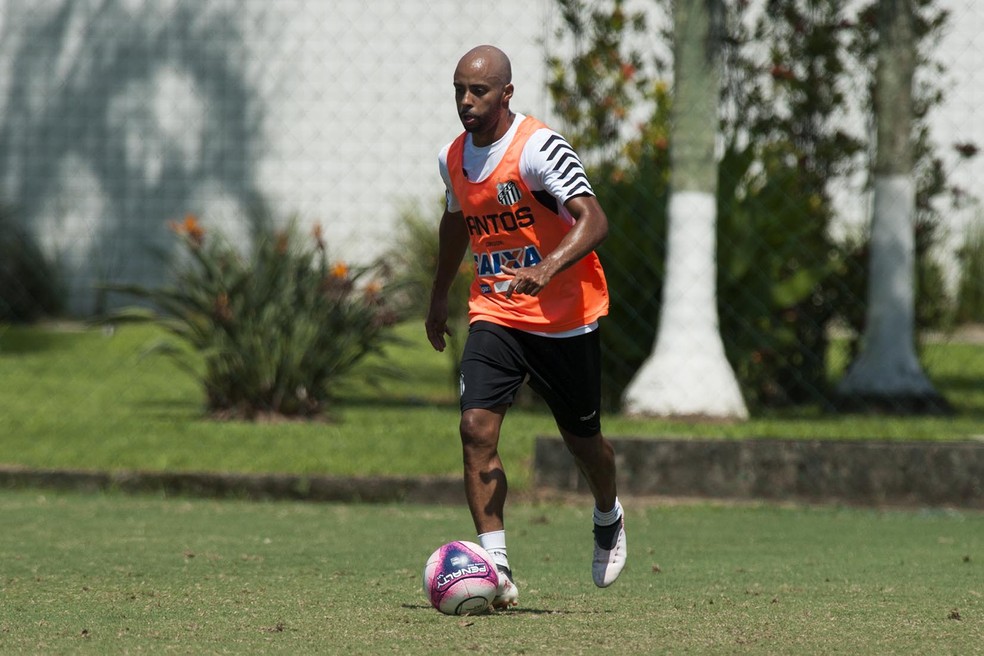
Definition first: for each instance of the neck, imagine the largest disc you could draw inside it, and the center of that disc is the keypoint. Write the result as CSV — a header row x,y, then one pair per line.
x,y
501,127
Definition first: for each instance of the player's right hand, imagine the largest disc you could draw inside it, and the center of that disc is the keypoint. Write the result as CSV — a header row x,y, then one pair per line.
x,y
436,324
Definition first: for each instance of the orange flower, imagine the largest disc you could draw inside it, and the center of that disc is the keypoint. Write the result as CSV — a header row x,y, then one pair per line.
x,y
372,289
189,228
340,270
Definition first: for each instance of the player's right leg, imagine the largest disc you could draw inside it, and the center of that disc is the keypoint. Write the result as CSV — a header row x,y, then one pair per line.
x,y
485,477
492,370
485,490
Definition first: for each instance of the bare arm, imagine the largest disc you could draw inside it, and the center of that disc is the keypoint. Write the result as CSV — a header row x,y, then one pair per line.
x,y
590,229
452,243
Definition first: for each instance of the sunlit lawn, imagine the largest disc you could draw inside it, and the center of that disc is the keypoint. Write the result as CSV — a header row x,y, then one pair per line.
x,y
87,399
117,574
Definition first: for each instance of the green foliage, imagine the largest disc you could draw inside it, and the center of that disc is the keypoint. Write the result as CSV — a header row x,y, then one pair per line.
x,y
277,329
784,146
789,73
970,293
593,94
414,259
594,90
772,268
30,285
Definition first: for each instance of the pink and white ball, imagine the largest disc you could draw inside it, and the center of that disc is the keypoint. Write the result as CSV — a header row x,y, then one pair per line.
x,y
460,578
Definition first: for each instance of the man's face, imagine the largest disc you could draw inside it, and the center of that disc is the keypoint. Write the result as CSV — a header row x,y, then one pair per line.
x,y
481,98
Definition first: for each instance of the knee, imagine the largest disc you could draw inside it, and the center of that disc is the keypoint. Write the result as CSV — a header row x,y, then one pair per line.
x,y
474,430
478,435
589,449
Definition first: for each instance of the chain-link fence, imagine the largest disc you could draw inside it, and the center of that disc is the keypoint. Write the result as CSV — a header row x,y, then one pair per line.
x,y
117,116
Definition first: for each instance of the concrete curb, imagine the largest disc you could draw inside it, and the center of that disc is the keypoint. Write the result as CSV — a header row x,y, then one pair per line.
x,y
864,473
244,486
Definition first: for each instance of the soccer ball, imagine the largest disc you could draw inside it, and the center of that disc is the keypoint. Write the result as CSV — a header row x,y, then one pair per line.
x,y
460,578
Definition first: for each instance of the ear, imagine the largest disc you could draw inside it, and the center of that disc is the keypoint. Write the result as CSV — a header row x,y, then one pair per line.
x,y
507,93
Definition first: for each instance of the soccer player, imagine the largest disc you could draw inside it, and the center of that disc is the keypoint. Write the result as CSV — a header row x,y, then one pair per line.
x,y
518,195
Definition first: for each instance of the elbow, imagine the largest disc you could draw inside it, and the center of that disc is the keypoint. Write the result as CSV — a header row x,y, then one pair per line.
x,y
602,232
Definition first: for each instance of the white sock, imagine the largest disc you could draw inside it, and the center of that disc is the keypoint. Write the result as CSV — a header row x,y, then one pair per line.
x,y
610,517
495,543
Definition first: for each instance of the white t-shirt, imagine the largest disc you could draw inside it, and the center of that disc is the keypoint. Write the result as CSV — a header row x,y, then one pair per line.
x,y
548,165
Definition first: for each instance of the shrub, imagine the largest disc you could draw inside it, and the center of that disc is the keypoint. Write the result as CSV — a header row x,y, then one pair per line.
x,y
970,290
414,259
277,330
635,202
30,287
773,279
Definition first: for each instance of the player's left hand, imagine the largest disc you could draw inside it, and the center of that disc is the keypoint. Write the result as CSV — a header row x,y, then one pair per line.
x,y
527,280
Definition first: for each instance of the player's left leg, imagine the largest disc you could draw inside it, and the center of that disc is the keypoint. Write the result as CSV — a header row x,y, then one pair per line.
x,y
595,457
567,373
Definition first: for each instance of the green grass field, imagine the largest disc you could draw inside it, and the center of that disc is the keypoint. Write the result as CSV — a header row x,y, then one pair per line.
x,y
117,574
108,573
82,399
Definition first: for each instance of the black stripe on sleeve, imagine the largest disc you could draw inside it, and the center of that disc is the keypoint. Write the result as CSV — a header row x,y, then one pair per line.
x,y
582,189
572,170
562,148
563,159
578,177
546,144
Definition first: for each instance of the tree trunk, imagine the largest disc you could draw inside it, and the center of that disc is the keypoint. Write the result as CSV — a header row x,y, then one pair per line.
x,y
887,375
687,373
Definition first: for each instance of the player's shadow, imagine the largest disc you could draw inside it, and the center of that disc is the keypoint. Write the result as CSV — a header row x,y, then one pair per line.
x,y
514,611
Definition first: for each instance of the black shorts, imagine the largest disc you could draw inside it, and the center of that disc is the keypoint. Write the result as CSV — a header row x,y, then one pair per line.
x,y
565,371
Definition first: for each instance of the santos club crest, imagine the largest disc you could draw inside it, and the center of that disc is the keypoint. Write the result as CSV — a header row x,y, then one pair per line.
x,y
508,193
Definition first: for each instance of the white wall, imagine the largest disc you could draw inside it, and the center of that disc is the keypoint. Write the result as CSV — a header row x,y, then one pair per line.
x,y
354,121
961,117
117,116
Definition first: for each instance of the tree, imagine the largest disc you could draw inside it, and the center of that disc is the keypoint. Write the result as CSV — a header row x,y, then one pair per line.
x,y
789,74
887,373
688,373
604,76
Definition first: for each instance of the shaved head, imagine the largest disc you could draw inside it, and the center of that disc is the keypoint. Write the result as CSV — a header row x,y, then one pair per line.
x,y
482,90
491,61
